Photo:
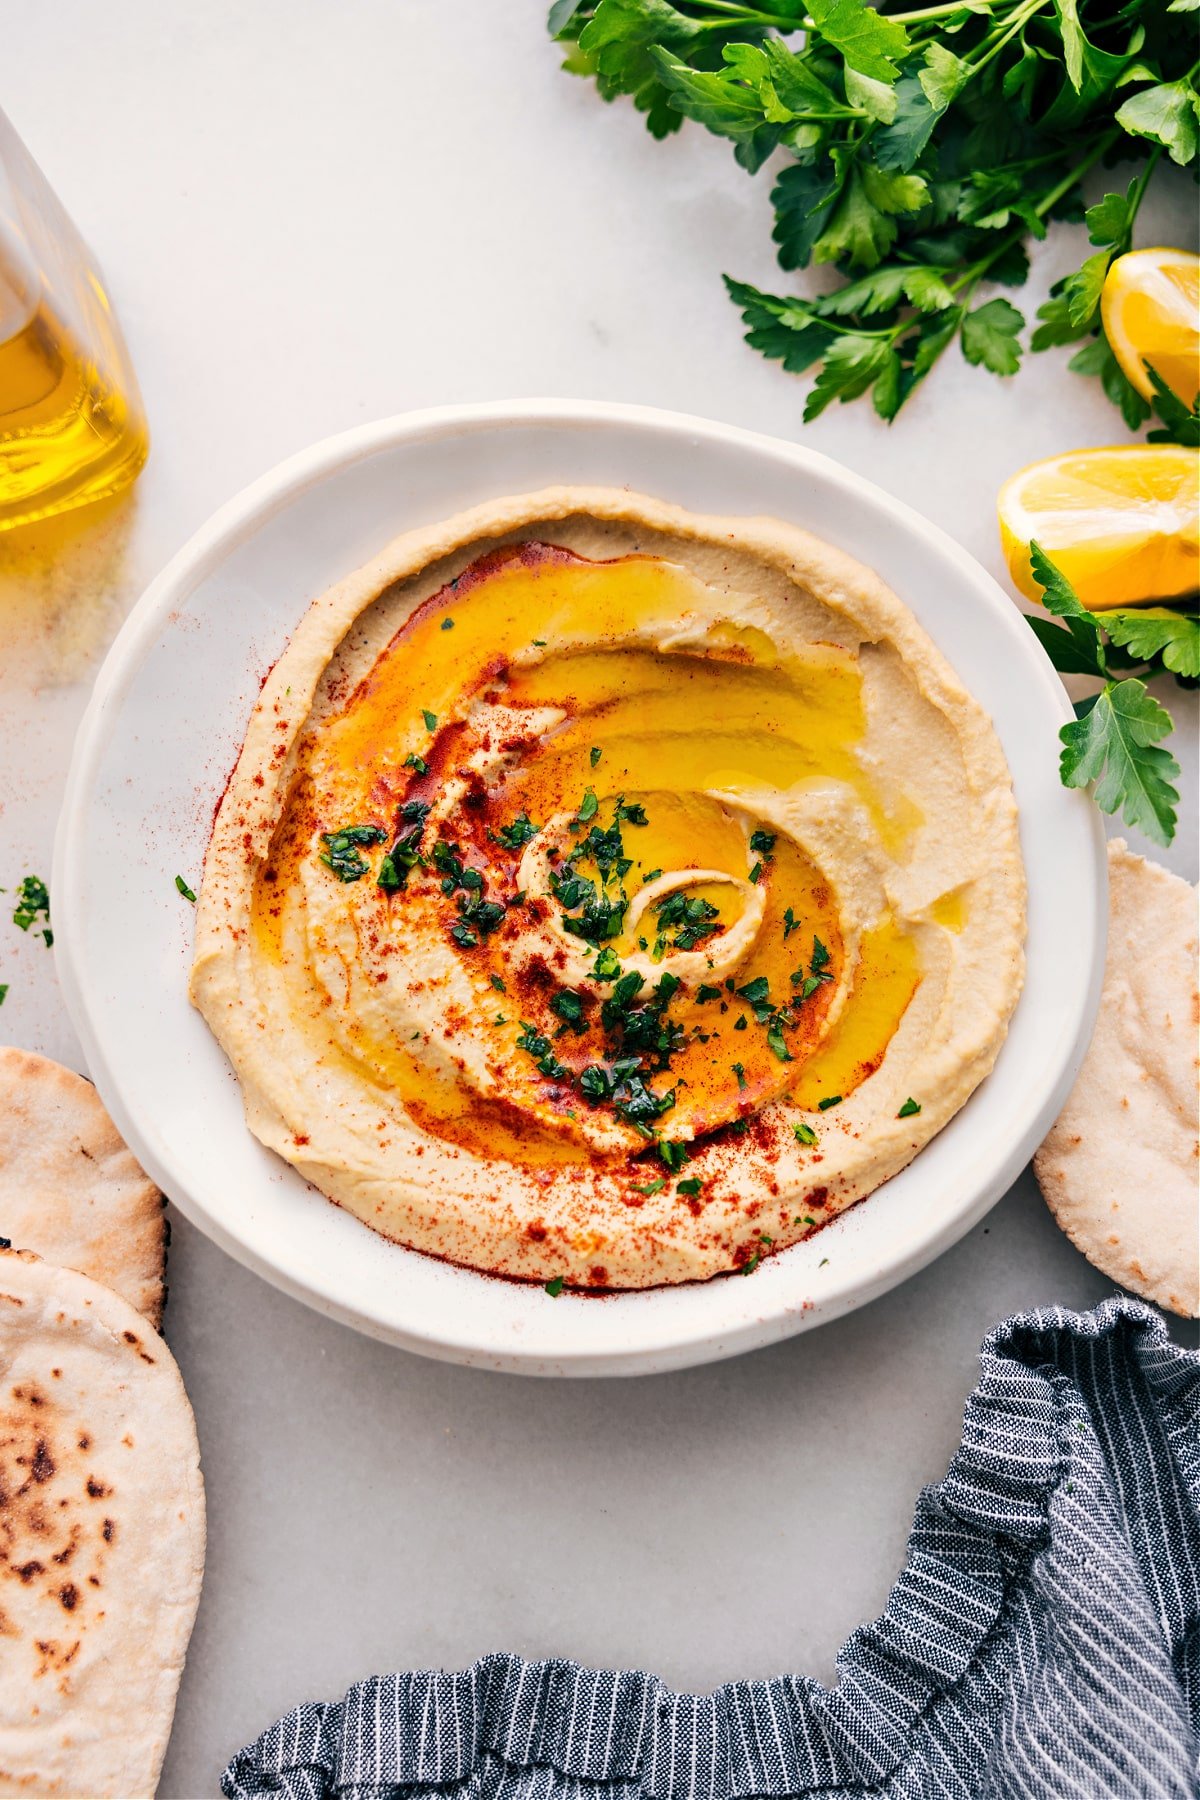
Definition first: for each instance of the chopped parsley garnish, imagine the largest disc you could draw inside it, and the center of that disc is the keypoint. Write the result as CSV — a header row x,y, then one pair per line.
x,y
652,875
607,965
740,1072
497,982
739,1024
447,624
542,1051
762,842
910,1108
690,917
706,991
405,853
483,915
673,1154
755,872
594,754
595,1083
829,1100
632,815
748,1268
555,1286
568,1005
430,719
571,890
184,889
589,806
790,923
805,1134
413,761
540,643
449,865
819,971
462,934
3,992
690,1187
757,994
518,833
650,1187
643,1027
342,849
600,919
606,849
637,1103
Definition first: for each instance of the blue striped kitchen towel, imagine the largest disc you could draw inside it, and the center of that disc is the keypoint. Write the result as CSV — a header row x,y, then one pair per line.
x,y
1043,1639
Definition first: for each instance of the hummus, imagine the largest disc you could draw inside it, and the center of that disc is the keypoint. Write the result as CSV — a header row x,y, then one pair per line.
x,y
609,894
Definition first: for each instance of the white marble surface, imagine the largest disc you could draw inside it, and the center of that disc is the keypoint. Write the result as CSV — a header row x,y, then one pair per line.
x,y
313,214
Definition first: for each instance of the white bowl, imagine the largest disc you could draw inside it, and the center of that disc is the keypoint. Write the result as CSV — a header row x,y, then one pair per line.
x,y
162,732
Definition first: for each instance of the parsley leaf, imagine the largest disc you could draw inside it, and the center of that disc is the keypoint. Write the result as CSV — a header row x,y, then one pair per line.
x,y
1159,631
1114,743
1179,424
1115,739
870,43
989,336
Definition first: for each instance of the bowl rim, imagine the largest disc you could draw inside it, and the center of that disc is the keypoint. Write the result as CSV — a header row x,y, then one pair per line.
x,y
237,521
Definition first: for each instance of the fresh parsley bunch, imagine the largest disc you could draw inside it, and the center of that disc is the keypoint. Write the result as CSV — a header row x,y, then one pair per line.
x,y
1116,738
924,149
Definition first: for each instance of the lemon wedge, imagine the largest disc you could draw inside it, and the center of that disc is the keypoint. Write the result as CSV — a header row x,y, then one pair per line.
x,y
1150,309
1122,524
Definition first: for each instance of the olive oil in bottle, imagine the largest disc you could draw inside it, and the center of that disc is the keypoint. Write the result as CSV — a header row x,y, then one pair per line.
x,y
71,423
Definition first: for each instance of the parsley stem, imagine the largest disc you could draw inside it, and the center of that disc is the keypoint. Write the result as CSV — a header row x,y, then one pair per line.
x,y
731,13
1139,194
1019,18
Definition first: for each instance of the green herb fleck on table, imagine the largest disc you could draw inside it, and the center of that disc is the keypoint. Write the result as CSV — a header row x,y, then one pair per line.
x,y
33,903
183,888
555,1286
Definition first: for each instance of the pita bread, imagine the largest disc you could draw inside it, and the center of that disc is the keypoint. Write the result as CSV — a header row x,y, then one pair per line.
x,y
101,1536
70,1190
1120,1168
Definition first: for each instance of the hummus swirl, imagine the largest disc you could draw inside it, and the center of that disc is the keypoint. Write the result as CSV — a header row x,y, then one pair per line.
x,y
609,894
